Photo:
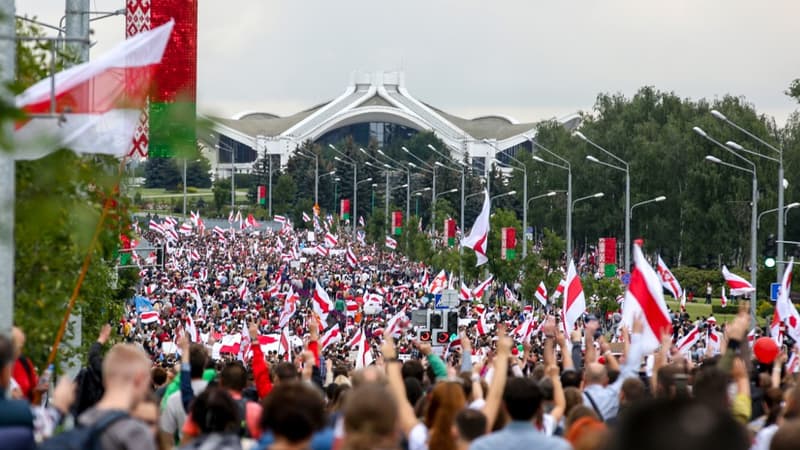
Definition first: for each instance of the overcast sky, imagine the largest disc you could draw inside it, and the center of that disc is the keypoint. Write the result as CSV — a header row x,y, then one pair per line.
x,y
530,59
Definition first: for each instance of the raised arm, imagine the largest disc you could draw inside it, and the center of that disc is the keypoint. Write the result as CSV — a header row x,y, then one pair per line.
x,y
589,329
394,375
495,396
559,400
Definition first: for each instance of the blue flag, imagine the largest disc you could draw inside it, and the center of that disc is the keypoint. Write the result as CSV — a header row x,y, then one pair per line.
x,y
142,304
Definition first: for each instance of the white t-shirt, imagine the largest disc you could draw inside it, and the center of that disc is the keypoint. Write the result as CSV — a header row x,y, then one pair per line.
x,y
418,437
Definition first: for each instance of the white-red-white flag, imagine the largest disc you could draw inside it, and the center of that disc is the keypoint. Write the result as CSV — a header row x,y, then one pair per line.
x,y
289,308
464,294
509,295
352,261
784,306
231,343
438,284
541,293
391,243
242,290
398,323
321,302
479,234
481,287
574,299
148,316
98,103
738,285
775,331
686,343
723,300
285,345
482,326
714,341
331,240
559,289
305,217
331,336
644,299
683,301
321,250
364,352
668,280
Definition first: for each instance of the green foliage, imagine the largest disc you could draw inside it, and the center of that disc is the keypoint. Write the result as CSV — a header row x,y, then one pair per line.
x,y
765,309
198,173
794,89
553,248
415,245
603,293
376,227
719,309
222,194
162,173
505,271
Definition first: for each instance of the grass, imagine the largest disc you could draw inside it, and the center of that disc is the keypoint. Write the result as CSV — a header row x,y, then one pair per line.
x,y
159,193
699,309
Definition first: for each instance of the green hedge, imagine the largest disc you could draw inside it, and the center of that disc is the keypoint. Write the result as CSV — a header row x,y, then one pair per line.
x,y
719,309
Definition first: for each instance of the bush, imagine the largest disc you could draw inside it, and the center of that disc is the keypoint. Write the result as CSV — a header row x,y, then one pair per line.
x,y
719,309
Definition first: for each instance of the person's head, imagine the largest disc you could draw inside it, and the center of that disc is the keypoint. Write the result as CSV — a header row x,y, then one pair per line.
x,y
368,423
672,382
446,400
283,372
413,369
6,360
198,359
233,377
159,376
633,389
595,373
587,433
414,390
711,387
787,436
570,378
293,411
470,425
19,341
371,374
573,398
215,411
126,368
580,412
147,412
679,423
522,398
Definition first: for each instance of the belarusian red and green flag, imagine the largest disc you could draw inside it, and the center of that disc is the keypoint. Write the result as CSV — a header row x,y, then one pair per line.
x,y
450,231
262,195
508,237
397,223
345,209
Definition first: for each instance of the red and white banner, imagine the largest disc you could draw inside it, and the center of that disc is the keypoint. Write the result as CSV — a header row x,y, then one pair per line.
x,y
559,289
331,240
391,243
541,293
480,288
686,343
482,326
438,284
149,316
331,336
786,310
668,280
242,290
738,285
644,299
465,294
574,300
98,102
321,302
479,234
723,300
289,308
352,261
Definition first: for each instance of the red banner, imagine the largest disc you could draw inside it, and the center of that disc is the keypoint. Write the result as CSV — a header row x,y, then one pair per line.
x,y
508,245
450,231
344,213
397,223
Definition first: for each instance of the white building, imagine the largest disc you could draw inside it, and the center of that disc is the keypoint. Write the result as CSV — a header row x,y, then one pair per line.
x,y
374,106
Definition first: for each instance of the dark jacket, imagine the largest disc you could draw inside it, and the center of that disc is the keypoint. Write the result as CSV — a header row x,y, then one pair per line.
x,y
16,424
89,381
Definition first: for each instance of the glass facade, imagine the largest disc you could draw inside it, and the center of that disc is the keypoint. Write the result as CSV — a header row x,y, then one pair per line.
x,y
384,133
503,156
244,154
478,165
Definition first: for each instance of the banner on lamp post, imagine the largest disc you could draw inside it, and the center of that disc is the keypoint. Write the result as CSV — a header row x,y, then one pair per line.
x,y
607,256
450,231
345,209
508,247
397,223
262,195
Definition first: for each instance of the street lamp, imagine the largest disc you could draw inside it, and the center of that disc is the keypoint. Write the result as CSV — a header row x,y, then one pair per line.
x,y
233,170
660,198
753,212
580,199
781,186
372,205
387,170
624,168
549,194
787,207
430,168
315,157
348,161
524,169
491,199
449,191
565,165
408,180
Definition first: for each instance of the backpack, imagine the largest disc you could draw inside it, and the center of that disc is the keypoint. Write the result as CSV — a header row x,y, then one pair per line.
x,y
83,438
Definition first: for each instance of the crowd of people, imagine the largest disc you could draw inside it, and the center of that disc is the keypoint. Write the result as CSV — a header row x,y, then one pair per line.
x,y
253,337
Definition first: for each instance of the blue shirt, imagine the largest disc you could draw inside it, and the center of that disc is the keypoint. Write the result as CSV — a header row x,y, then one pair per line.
x,y
322,440
519,435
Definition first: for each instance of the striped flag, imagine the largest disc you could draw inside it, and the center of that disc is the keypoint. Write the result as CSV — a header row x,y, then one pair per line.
x,y
391,243
306,218
321,250
685,344
559,289
541,293
464,294
321,302
723,300
148,316
154,226
280,219
331,336
574,300
351,257
289,308
738,285
361,222
645,298
480,288
668,280
331,239
185,229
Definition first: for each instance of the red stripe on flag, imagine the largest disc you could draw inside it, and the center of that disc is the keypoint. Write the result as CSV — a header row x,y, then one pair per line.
x,y
573,290
652,312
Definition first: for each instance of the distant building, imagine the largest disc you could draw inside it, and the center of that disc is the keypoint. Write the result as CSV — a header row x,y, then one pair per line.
x,y
374,106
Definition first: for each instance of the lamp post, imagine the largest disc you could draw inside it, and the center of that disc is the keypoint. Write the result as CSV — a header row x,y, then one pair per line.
x,y
233,171
753,211
418,194
786,208
431,168
408,180
387,169
524,169
372,205
624,168
781,185
588,197
315,157
549,194
660,198
355,203
565,165
351,162
336,181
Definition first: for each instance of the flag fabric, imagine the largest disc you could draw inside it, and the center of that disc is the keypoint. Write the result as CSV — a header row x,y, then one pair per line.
x,y
361,222
364,352
148,316
713,340
686,343
398,323
194,217
142,304
574,299
98,102
331,336
645,299
185,229
289,308
155,226
321,302
438,284
331,240
737,284
391,243
723,300
481,287
559,289
321,250
479,234
242,290
541,293
683,301
784,307
464,294
668,280
285,348
306,218
482,326
775,331
238,217
230,217
220,234
351,258
510,297
251,221
231,343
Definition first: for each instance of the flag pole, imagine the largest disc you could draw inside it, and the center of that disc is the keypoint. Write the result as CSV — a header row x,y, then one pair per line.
x,y
8,48
87,259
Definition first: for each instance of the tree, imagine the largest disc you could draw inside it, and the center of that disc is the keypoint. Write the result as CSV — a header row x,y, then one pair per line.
x,y
283,197
505,271
222,194
162,173
198,173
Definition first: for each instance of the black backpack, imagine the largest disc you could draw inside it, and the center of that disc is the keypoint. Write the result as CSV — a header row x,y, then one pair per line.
x,y
83,438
